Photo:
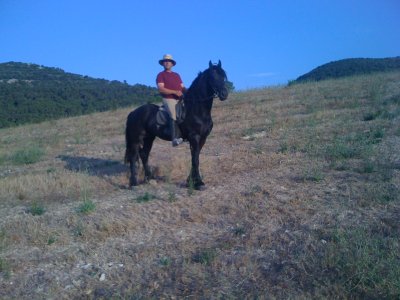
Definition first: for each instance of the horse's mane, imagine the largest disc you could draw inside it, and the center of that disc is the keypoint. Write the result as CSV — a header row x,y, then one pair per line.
x,y
200,76
195,82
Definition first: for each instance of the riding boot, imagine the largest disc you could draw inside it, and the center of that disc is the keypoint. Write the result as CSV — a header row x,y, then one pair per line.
x,y
176,140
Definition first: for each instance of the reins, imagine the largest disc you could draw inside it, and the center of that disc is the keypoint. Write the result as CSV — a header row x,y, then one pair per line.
x,y
202,99
212,97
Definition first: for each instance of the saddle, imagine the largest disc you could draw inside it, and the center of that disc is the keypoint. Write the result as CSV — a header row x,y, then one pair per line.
x,y
162,117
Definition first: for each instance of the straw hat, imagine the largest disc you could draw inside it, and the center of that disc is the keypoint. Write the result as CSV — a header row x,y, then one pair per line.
x,y
167,57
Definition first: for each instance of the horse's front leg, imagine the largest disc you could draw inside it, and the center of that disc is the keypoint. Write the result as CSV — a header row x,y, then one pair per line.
x,y
194,178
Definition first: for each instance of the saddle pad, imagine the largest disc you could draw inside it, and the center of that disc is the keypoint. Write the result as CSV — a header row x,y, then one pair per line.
x,y
162,116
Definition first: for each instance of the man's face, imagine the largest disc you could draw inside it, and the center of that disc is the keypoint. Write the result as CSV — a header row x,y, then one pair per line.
x,y
168,65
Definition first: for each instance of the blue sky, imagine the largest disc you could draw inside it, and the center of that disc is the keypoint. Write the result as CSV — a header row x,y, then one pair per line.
x,y
260,43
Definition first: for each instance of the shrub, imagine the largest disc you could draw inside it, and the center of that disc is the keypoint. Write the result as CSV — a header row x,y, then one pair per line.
x,y
29,155
36,209
5,268
204,256
86,207
145,198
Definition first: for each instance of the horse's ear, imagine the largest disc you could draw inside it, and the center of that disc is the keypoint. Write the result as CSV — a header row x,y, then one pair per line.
x,y
219,63
210,64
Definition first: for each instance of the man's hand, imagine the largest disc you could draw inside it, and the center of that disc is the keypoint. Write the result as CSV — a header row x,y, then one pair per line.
x,y
179,93
165,91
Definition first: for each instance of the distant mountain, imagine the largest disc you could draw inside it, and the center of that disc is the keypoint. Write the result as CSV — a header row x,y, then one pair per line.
x,y
350,67
33,93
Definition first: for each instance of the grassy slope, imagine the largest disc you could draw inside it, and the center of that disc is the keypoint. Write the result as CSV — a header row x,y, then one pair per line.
x,y
302,201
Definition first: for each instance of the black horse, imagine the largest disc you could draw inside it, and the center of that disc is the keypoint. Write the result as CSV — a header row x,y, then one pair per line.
x,y
142,127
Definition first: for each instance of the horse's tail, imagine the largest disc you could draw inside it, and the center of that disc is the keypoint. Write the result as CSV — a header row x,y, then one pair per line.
x,y
128,155
127,152
133,137
128,142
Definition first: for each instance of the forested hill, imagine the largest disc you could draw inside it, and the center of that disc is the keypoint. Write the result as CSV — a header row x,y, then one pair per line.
x,y
351,66
33,93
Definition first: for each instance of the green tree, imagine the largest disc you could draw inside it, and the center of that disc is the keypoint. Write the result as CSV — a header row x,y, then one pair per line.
x,y
230,86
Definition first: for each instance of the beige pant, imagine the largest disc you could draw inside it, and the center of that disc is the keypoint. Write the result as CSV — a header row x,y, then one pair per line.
x,y
170,104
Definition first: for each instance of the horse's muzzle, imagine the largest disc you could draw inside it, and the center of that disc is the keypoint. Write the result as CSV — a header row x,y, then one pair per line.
x,y
223,94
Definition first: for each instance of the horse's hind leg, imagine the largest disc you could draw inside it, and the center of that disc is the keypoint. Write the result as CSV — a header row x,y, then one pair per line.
x,y
132,156
144,153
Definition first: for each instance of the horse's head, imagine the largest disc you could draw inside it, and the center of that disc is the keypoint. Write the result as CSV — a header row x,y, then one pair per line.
x,y
217,79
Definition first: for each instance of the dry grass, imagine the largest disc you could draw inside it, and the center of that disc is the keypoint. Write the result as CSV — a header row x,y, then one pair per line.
x,y
301,202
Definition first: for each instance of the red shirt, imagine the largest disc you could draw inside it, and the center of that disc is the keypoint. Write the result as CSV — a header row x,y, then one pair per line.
x,y
172,81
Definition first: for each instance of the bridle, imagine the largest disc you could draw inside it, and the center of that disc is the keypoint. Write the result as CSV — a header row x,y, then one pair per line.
x,y
215,93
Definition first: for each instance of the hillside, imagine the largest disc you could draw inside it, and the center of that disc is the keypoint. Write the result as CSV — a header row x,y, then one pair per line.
x,y
33,93
301,202
351,67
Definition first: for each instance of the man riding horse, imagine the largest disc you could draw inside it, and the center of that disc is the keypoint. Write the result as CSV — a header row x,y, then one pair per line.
x,y
171,88
142,126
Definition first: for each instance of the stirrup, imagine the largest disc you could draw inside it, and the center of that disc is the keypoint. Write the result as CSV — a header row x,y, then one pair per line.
x,y
177,142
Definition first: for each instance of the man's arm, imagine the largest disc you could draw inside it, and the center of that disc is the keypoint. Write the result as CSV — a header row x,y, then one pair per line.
x,y
166,91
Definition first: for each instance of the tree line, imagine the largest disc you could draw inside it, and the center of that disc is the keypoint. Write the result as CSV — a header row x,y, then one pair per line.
x,y
33,93
350,67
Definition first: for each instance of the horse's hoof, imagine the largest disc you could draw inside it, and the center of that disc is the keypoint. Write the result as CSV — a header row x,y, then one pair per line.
x,y
201,187
194,182
132,185
199,184
148,179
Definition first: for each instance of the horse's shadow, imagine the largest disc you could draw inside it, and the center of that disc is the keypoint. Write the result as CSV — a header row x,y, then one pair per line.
x,y
94,166
103,168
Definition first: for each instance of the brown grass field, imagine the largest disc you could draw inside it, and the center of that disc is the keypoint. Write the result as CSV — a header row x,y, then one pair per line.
x,y
302,202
